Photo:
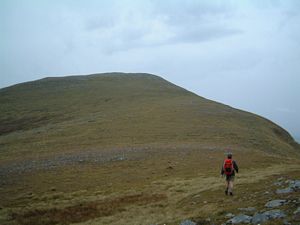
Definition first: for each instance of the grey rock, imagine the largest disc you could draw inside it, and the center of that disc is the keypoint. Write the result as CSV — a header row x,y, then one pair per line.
x,y
284,191
229,215
275,203
275,214
241,218
249,209
259,218
295,185
278,183
187,222
268,215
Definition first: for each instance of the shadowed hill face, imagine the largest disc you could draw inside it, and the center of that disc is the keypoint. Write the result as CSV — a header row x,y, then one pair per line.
x,y
122,110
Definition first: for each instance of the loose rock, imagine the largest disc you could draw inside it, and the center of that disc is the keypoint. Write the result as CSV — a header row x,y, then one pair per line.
x,y
259,218
241,218
268,215
295,185
275,214
278,183
284,191
275,203
229,215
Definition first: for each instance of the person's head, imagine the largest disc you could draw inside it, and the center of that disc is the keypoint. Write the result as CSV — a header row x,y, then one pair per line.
x,y
229,155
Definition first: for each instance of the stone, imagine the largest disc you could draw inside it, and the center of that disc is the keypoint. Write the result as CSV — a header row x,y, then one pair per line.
x,y
268,215
275,214
241,218
278,183
275,203
259,218
295,185
187,222
229,215
284,191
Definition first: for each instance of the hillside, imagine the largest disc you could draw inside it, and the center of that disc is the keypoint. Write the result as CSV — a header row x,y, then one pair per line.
x,y
134,149
78,113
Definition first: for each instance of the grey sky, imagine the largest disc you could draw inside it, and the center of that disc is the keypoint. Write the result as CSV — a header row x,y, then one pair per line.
x,y
242,53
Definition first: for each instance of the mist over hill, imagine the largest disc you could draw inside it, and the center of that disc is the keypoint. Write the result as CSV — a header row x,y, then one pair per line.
x,y
79,113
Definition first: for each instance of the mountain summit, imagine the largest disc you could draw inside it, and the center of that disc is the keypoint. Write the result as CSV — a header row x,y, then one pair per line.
x,y
136,149
125,110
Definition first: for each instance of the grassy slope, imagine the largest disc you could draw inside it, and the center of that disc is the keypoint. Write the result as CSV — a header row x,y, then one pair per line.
x,y
182,137
89,112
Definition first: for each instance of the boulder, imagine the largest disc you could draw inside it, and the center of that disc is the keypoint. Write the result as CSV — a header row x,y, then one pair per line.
x,y
275,203
241,218
259,218
275,214
268,215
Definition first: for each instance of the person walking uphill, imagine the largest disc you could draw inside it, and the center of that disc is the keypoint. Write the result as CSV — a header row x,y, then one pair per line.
x,y
228,169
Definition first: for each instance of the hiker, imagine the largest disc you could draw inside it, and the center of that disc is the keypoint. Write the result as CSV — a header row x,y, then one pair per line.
x,y
229,167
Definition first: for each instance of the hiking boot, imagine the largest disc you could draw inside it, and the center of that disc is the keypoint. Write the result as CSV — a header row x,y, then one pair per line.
x,y
226,192
231,194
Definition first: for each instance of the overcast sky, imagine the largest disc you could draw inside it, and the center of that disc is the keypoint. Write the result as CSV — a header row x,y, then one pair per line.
x,y
242,53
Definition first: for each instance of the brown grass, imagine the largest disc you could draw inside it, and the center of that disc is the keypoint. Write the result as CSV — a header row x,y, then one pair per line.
x,y
84,211
162,187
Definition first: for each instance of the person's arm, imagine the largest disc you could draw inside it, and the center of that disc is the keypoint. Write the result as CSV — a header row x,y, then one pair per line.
x,y
235,166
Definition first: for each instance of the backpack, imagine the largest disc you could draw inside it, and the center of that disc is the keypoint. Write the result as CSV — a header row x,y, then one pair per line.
x,y
228,167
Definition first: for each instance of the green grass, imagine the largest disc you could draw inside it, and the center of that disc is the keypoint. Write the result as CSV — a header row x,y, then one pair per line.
x,y
54,115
